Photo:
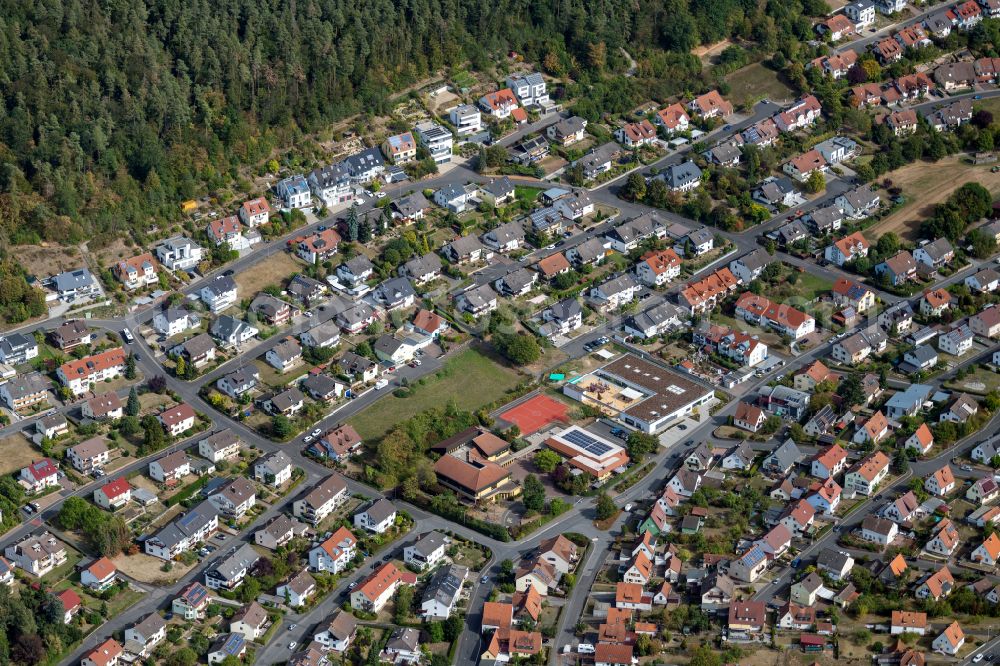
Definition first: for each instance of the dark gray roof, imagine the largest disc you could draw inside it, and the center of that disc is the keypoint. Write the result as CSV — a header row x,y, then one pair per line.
x,y
499,187
359,264
395,290
245,375
287,399
420,266
679,175
518,280
287,350
70,280
387,344
25,385
445,585
380,510
429,542
320,385
566,309
831,559
506,233
464,246
220,285
590,250
411,204
923,353
229,568
359,312
267,304
786,455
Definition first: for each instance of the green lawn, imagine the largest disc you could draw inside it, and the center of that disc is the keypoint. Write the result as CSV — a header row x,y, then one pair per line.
x,y
526,195
470,379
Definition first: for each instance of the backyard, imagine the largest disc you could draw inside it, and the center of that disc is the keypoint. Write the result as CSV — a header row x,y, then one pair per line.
x,y
18,452
470,379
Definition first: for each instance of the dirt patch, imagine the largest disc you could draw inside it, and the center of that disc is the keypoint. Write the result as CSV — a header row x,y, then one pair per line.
x,y
148,569
153,403
442,101
44,260
272,270
926,184
18,452
112,253
708,51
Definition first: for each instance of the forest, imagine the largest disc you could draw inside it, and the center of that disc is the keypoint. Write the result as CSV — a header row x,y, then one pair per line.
x,y
114,112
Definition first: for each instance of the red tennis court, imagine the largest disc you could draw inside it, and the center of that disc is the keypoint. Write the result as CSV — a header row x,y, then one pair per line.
x,y
534,414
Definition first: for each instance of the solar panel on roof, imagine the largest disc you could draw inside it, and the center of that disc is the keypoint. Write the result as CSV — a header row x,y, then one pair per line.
x,y
578,437
587,442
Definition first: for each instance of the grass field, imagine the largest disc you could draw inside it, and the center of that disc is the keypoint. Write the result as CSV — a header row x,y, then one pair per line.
x,y
925,184
272,270
470,379
18,452
148,569
526,195
981,382
756,82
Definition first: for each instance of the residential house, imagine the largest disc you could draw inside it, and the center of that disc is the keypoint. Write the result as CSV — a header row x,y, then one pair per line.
x,y
234,498
847,249
957,341
377,518
174,321
273,469
374,592
951,640
637,134
100,575
26,390
298,589
829,462
865,476
336,632
878,530
113,495
89,455
277,532
230,572
191,603
250,621
179,253
986,323
37,555
859,203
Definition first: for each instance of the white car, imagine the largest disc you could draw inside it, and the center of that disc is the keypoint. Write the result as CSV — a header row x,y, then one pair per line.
x,y
380,195
381,384
978,658
317,432
291,646
307,439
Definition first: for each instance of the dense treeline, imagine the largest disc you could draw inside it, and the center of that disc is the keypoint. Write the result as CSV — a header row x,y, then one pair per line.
x,y
113,112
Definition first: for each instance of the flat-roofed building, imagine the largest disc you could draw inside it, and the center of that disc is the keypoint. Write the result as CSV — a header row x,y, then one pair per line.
x,y
588,452
640,394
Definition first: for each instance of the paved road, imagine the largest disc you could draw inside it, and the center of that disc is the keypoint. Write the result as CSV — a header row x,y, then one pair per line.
x,y
864,42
